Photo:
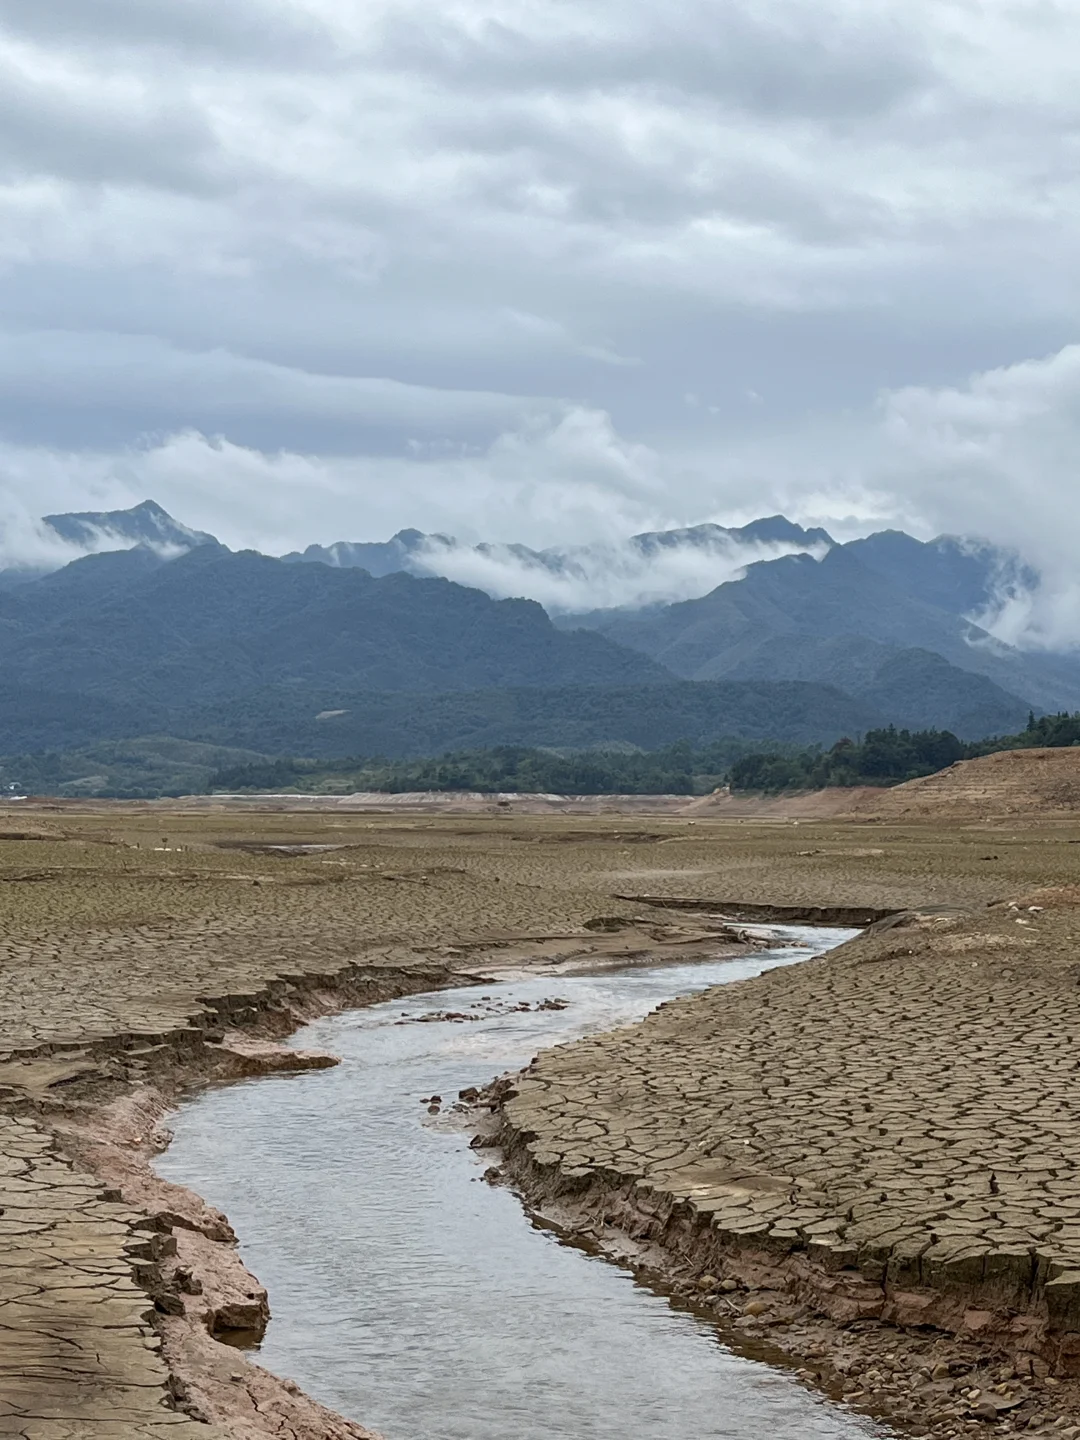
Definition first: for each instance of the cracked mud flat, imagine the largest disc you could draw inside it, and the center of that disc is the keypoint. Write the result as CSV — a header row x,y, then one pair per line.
x,y
888,1137
134,965
141,952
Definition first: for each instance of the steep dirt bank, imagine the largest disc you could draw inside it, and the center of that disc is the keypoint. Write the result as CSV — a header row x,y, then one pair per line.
x,y
875,1157
856,916
943,1371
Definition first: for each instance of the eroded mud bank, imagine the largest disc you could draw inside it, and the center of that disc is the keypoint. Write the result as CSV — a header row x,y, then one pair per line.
x,y
105,1118
871,1160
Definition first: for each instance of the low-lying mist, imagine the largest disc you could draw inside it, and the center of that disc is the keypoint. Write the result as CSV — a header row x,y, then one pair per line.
x,y
619,573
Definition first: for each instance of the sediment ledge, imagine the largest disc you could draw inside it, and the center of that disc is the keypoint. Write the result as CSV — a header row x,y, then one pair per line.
x,y
856,916
875,1156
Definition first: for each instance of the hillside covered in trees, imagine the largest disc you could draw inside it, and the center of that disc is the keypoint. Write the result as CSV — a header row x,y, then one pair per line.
x,y
887,756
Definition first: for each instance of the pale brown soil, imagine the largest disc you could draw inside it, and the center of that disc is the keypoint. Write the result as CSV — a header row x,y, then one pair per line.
x,y
810,805
1017,786
139,948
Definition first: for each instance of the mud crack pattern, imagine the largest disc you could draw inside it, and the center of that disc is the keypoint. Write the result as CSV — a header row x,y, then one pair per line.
x,y
895,1126
78,1356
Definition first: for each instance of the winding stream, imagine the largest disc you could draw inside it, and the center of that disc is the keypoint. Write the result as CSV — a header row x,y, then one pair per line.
x,y
415,1298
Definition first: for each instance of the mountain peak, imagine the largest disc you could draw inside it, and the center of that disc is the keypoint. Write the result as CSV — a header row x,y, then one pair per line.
x,y
778,529
147,523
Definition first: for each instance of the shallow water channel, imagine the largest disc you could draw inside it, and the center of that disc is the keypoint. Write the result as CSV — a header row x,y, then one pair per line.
x,y
415,1298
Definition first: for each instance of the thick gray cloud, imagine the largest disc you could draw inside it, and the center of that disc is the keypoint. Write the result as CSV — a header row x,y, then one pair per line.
x,y
251,32
108,386
61,124
312,269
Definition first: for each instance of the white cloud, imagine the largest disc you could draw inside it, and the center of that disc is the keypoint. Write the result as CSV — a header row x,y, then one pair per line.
x,y
26,543
1000,456
569,475
363,244
569,481
995,458
604,574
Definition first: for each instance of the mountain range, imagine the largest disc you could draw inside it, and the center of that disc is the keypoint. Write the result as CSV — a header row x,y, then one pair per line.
x,y
417,553
845,615
359,648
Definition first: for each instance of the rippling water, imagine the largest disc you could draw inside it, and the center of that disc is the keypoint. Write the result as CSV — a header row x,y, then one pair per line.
x,y
415,1298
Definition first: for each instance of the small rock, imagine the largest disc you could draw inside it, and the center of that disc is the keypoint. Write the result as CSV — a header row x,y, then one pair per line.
x,y
707,1282
186,1282
984,1410
728,1286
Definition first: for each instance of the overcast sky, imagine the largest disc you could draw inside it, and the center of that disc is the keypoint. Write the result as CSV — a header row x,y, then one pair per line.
x,y
543,270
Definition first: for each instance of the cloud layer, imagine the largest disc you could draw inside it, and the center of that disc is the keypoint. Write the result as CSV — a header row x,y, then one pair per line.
x,y
600,576
306,270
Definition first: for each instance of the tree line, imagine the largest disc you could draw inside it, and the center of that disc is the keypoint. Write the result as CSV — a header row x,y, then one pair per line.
x,y
680,769
887,756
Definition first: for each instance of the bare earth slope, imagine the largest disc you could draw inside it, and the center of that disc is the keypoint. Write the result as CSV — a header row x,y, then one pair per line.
x,y
1013,784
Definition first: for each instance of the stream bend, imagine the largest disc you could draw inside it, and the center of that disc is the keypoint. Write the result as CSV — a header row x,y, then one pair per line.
x,y
416,1299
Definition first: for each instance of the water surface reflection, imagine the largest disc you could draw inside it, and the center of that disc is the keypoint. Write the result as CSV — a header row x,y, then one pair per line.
x,y
416,1299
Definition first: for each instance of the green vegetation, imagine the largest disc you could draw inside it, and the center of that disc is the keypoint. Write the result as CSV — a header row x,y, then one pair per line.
x,y
889,756
884,757
675,770
1053,731
162,765
125,769
329,723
